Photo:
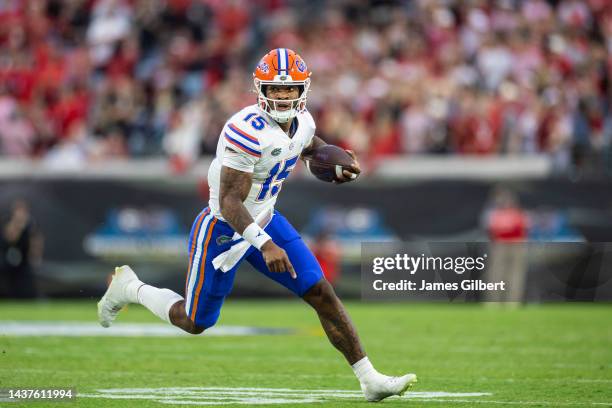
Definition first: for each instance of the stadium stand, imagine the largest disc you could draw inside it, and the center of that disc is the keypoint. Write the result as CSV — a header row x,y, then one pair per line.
x,y
83,81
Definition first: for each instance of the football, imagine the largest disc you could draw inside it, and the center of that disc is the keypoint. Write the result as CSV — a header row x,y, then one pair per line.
x,y
327,162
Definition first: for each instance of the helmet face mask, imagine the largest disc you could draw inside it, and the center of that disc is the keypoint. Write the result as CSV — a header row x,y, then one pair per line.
x,y
274,107
281,67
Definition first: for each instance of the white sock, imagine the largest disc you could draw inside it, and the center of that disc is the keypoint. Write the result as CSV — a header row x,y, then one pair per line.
x,y
158,301
363,369
131,290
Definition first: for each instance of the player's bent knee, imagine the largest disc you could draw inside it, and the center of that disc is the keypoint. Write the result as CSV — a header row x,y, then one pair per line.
x,y
177,313
321,294
190,327
197,329
179,318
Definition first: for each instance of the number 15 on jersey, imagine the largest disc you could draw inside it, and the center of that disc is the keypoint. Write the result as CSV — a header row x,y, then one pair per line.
x,y
272,184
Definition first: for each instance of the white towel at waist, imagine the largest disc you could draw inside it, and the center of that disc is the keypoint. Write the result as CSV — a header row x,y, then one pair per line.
x,y
228,259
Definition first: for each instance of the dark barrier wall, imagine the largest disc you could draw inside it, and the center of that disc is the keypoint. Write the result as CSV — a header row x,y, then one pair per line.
x,y
91,225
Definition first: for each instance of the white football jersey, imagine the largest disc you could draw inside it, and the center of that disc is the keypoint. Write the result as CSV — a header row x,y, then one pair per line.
x,y
252,142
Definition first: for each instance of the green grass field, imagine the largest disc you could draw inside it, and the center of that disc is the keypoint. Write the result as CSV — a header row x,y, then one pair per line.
x,y
551,355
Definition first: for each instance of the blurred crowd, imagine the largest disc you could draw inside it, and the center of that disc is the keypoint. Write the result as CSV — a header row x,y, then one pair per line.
x,y
83,80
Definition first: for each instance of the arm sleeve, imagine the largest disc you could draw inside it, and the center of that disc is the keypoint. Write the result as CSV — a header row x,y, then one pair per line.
x,y
242,150
239,160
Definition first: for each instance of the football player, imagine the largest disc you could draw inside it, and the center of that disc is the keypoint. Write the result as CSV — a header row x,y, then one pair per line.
x,y
257,149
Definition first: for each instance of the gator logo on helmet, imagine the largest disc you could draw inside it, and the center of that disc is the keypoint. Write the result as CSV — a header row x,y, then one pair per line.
x,y
263,67
301,65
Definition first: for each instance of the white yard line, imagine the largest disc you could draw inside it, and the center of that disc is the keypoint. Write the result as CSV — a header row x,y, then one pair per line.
x,y
253,396
246,401
81,329
258,396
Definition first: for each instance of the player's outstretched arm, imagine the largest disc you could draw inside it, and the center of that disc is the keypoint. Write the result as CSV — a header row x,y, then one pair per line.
x,y
235,187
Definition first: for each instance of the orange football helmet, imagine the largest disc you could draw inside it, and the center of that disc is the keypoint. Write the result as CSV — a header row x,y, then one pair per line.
x,y
281,66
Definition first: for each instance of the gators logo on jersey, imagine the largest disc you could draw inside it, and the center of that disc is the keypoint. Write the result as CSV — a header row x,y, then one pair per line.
x,y
223,239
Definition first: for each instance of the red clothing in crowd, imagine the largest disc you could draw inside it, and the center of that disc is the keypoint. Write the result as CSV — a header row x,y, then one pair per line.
x,y
507,225
327,253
